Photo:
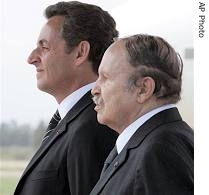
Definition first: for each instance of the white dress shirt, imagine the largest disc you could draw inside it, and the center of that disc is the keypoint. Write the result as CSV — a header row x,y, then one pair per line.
x,y
72,99
125,136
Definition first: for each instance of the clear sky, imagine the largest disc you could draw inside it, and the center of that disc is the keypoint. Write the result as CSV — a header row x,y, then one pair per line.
x,y
20,27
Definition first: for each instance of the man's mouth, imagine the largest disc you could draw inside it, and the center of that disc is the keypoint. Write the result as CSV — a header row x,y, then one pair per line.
x,y
97,107
97,100
39,70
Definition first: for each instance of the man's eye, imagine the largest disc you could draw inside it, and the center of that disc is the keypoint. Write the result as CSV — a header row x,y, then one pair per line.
x,y
104,76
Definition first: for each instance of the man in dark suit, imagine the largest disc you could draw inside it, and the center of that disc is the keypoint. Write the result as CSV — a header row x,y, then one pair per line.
x,y
139,82
74,147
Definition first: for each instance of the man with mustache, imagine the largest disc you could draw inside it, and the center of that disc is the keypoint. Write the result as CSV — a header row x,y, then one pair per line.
x,y
74,147
139,84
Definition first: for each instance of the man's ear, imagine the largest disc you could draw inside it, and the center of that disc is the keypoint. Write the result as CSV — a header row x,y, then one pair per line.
x,y
83,50
146,87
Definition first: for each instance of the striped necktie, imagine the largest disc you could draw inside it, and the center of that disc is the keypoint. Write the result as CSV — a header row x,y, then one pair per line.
x,y
52,124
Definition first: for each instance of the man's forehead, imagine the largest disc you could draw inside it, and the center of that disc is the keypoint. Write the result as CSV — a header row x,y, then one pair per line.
x,y
54,23
115,58
50,30
116,52
117,45
55,20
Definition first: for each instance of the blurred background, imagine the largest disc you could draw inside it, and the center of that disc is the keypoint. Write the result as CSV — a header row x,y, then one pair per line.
x,y
25,111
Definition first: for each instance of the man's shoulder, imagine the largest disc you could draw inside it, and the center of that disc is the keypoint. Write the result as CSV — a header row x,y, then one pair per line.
x,y
170,138
175,135
85,124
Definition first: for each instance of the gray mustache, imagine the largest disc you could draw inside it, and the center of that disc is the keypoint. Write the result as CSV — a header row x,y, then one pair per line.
x,y
96,99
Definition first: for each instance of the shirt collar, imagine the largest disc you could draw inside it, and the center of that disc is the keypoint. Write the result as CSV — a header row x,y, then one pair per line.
x,y
125,136
73,98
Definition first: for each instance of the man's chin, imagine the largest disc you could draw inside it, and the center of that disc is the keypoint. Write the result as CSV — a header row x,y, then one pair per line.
x,y
42,87
100,119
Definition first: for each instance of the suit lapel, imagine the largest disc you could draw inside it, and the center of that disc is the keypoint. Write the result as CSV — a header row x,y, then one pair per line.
x,y
59,130
163,117
113,167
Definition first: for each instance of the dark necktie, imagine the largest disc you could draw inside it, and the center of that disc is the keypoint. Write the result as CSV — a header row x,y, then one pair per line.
x,y
52,124
109,159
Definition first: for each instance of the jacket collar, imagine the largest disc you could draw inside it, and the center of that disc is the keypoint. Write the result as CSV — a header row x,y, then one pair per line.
x,y
163,117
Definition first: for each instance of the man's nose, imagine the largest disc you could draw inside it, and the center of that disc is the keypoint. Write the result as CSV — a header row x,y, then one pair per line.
x,y
96,89
33,58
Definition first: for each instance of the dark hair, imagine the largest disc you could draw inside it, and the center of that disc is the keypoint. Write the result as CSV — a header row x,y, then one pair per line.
x,y
85,22
155,58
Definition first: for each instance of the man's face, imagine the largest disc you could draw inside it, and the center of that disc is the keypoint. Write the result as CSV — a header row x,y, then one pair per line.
x,y
115,102
53,65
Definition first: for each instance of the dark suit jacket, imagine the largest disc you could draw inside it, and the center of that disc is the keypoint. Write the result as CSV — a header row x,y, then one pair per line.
x,y
157,160
71,161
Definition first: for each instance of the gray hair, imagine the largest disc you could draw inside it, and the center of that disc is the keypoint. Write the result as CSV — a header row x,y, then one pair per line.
x,y
153,57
